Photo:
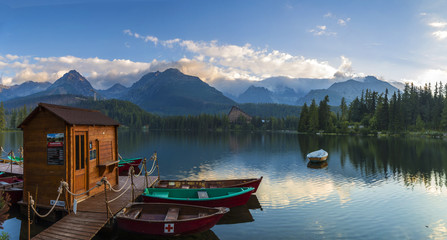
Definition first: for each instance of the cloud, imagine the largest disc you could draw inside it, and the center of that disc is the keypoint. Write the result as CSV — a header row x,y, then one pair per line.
x,y
321,31
343,22
440,35
101,73
429,76
328,15
243,62
438,24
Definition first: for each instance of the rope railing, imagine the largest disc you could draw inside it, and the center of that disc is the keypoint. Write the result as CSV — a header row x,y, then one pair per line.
x,y
64,185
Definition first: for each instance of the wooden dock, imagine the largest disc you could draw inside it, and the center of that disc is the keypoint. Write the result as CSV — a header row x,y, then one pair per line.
x,y
91,214
11,168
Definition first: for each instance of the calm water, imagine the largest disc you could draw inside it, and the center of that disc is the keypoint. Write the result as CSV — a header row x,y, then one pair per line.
x,y
371,188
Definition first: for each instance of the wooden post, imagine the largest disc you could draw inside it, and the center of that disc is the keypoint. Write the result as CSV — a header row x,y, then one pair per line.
x,y
145,173
131,182
29,217
107,204
158,168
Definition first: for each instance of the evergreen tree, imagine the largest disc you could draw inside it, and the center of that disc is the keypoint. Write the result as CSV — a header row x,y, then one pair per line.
x,y
444,116
13,119
343,110
2,117
303,125
313,117
324,112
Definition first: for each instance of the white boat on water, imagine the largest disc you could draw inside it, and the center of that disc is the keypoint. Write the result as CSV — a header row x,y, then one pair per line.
x,y
317,156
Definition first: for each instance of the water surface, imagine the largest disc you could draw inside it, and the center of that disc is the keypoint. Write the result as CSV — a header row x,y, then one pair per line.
x,y
371,188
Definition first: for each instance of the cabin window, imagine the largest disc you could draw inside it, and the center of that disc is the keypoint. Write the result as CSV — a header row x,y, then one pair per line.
x,y
77,153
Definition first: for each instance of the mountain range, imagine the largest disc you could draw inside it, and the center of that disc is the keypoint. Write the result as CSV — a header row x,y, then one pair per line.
x,y
173,93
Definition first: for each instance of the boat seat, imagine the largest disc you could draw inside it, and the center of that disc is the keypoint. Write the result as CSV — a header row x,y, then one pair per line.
x,y
160,194
134,213
213,186
202,194
185,186
163,185
172,214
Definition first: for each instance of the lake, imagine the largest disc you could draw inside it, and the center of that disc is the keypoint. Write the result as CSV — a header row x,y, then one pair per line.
x,y
370,188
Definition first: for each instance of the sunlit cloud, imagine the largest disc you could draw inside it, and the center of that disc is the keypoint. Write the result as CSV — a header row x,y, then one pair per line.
x,y
440,35
438,24
242,62
101,73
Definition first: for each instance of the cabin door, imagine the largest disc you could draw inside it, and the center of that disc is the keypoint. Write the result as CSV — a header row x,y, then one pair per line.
x,y
80,164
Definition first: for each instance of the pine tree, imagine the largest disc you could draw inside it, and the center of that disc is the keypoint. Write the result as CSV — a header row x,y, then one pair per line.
x,y
303,125
344,110
13,120
313,117
2,117
324,112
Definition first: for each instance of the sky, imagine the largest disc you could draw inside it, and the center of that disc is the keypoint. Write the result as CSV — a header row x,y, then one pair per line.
x,y
111,41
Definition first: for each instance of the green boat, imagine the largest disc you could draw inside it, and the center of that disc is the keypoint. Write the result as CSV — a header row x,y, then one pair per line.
x,y
207,197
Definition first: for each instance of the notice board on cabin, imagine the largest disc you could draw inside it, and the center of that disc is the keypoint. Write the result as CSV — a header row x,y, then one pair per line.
x,y
55,149
105,153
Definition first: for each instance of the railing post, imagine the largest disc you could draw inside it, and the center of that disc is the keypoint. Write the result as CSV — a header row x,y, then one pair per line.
x,y
145,173
105,194
29,217
131,182
158,168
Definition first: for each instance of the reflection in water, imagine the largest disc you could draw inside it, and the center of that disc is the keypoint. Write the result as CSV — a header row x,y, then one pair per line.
x,y
199,236
320,165
239,214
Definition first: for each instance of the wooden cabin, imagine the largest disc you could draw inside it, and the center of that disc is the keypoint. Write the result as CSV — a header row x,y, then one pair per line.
x,y
79,146
235,113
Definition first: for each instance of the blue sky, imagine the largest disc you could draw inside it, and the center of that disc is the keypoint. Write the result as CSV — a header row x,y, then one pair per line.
x,y
118,41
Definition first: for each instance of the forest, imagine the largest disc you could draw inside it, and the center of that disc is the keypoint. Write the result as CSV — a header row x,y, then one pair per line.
x,y
416,109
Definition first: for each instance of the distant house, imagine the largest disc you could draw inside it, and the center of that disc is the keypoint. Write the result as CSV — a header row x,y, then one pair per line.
x,y
235,113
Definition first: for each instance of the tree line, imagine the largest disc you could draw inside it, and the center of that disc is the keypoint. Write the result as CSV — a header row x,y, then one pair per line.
x,y
413,109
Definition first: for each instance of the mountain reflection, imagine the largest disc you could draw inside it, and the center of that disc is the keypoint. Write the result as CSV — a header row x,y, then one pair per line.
x,y
369,159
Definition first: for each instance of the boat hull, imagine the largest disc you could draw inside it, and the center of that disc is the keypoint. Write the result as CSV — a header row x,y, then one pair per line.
x,y
124,166
229,202
318,160
193,184
171,228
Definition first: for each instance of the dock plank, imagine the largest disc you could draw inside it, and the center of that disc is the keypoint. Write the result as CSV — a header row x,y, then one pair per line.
x,y
8,168
92,213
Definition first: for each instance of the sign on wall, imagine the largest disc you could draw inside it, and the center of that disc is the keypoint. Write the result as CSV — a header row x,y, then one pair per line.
x,y
55,149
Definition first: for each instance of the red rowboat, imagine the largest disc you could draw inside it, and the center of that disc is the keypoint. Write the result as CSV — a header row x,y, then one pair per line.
x,y
207,197
124,164
187,184
13,186
168,219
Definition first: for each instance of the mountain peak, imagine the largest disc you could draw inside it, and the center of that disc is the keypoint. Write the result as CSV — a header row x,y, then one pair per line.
x,y
371,79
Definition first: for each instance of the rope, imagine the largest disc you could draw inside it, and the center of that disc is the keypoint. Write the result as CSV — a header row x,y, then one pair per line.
x,y
59,190
65,185
127,189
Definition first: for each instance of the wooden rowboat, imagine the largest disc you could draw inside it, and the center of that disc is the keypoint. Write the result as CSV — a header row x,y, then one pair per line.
x,y
317,156
13,186
187,184
207,197
168,219
124,164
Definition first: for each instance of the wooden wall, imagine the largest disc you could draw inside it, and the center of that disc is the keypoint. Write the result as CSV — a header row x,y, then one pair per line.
x,y
45,178
38,175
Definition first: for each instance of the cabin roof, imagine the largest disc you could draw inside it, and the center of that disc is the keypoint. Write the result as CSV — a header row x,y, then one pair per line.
x,y
73,116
